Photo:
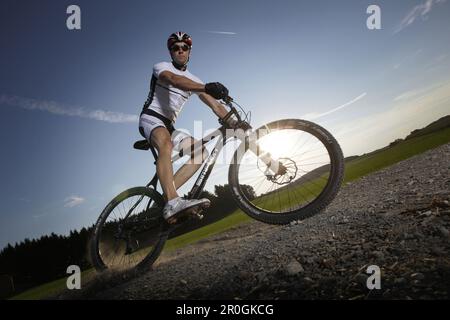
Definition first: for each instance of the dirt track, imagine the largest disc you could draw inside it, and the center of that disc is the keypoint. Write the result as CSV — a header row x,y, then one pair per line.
x,y
397,218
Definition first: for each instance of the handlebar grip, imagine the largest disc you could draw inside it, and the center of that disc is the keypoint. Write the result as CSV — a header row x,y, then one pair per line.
x,y
228,100
229,114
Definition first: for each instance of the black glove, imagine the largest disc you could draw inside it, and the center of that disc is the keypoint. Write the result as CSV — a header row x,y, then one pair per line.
x,y
217,90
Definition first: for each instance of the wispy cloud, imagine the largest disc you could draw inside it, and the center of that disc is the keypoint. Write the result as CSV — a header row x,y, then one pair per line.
x,y
53,208
222,32
416,92
314,115
73,201
408,58
369,132
38,216
420,10
60,109
440,62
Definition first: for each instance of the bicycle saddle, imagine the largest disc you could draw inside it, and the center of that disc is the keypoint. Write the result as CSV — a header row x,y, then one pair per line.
x,y
141,145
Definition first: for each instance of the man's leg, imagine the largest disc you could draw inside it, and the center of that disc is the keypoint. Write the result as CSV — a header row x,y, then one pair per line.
x,y
162,141
189,168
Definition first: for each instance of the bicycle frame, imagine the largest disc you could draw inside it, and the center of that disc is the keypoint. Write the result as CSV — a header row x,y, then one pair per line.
x,y
274,167
208,163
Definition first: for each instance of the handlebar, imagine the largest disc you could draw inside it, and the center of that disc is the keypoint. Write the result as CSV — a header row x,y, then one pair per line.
x,y
229,102
241,123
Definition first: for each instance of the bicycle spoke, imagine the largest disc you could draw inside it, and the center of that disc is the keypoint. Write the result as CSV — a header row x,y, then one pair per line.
x,y
302,146
295,193
304,151
288,192
320,177
279,199
266,195
125,248
312,182
260,184
299,157
272,196
314,163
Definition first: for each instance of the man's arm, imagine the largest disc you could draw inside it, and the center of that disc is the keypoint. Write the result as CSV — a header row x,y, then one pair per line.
x,y
187,84
181,82
215,90
218,108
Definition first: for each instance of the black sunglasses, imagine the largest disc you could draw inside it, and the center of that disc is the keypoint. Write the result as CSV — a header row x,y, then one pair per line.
x,y
176,47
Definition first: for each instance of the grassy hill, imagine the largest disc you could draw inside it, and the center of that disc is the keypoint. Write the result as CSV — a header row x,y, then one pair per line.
x,y
437,125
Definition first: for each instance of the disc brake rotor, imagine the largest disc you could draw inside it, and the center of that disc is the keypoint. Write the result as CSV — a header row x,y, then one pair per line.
x,y
287,171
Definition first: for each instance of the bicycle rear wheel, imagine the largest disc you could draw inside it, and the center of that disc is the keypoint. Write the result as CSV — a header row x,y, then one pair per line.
x,y
313,169
130,232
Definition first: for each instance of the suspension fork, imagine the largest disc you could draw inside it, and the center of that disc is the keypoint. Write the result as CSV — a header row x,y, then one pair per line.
x,y
249,142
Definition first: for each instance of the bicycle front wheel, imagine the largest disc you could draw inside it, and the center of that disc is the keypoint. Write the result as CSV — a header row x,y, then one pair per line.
x,y
130,232
312,172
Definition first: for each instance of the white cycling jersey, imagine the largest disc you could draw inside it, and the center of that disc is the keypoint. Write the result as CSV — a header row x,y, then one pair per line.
x,y
164,98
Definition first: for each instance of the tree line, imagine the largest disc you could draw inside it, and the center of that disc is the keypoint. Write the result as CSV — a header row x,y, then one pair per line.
x,y
34,262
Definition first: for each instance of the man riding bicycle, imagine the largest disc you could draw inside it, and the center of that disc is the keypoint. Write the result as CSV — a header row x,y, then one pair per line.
x,y
170,87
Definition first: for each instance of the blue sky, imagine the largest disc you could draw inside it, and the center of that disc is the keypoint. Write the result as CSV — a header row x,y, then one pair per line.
x,y
69,100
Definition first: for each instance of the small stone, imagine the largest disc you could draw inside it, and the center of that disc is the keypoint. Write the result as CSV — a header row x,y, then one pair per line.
x,y
417,276
294,268
418,235
311,260
399,281
443,231
262,277
438,251
361,278
426,213
183,281
378,255
416,283
329,263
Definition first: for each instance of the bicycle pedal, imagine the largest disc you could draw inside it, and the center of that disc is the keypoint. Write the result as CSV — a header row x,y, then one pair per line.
x,y
196,213
198,216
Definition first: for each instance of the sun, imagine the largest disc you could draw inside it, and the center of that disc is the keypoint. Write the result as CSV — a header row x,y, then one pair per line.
x,y
279,144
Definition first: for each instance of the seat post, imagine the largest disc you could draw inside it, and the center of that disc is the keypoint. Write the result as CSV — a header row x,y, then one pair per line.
x,y
145,145
155,155
154,180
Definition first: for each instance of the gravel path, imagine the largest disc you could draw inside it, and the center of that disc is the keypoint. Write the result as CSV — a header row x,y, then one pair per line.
x,y
397,218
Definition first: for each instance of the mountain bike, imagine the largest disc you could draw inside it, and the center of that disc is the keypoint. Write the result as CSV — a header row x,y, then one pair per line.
x,y
284,171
